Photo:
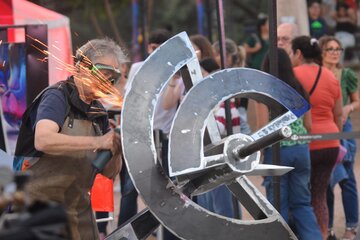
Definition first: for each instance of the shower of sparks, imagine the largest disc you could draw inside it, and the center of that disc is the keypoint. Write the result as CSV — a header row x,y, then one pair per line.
x,y
45,59
100,86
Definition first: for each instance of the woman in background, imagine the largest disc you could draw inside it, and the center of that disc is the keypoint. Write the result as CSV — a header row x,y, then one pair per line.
x,y
202,46
326,114
295,192
344,171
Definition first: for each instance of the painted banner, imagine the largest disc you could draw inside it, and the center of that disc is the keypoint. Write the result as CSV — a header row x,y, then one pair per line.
x,y
12,90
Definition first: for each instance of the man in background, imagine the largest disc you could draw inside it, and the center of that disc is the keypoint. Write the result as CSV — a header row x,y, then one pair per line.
x,y
286,32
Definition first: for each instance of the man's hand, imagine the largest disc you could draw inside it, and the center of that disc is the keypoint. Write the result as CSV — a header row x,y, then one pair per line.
x,y
106,141
113,167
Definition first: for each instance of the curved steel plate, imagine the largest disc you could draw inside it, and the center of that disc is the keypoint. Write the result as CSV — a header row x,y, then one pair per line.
x,y
186,153
170,206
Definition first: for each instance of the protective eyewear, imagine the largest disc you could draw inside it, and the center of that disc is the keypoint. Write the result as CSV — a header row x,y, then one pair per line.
x,y
113,75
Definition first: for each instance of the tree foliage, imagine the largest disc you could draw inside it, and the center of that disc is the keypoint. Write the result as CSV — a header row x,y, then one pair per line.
x,y
91,18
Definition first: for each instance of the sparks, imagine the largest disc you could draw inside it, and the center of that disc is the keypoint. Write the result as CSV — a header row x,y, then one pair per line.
x,y
100,86
45,59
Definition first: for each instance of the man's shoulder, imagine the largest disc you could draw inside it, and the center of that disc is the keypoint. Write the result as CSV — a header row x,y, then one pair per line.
x,y
57,90
54,93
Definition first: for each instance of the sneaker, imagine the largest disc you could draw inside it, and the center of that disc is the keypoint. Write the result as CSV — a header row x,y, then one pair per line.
x,y
350,234
331,235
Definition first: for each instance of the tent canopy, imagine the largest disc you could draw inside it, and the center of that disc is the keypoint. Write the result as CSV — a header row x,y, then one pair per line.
x,y
21,12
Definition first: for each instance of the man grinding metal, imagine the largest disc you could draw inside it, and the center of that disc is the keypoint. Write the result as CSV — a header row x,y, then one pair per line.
x,y
65,127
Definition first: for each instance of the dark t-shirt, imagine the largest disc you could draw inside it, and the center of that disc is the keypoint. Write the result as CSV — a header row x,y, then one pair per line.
x,y
318,27
53,106
257,58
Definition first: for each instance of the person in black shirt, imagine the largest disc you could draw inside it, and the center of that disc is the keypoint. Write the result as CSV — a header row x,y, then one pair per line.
x,y
63,129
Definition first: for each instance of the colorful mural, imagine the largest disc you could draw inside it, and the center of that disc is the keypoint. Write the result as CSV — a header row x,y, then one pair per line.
x,y
12,89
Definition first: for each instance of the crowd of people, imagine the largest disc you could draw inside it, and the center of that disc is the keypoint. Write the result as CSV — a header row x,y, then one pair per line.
x,y
312,67
66,124
338,18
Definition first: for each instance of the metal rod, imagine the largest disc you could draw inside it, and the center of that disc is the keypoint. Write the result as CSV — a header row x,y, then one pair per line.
x,y
144,29
200,16
222,47
209,20
275,72
263,142
274,69
221,32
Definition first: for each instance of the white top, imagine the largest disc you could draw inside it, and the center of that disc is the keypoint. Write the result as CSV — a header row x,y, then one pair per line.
x,y
162,118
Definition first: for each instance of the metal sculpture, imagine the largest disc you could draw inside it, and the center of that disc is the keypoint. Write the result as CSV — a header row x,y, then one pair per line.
x,y
200,167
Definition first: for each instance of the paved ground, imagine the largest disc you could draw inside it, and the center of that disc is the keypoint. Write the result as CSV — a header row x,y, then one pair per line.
x,y
339,226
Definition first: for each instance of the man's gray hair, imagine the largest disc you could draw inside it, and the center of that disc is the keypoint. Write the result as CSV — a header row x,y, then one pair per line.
x,y
98,48
295,30
293,27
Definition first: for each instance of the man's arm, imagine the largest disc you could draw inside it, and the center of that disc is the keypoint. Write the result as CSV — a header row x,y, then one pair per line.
x,y
49,140
172,93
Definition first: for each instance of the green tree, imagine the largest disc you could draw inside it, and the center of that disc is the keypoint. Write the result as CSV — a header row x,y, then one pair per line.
x,y
98,18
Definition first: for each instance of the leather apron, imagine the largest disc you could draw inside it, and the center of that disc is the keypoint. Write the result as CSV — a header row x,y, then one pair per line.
x,y
67,179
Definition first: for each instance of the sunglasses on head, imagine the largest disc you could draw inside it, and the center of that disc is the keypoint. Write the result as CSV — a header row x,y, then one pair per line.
x,y
113,75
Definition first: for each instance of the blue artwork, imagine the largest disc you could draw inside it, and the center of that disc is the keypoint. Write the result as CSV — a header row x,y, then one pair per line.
x,y
12,90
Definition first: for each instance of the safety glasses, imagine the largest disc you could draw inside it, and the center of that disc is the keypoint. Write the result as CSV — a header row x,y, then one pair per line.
x,y
113,75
